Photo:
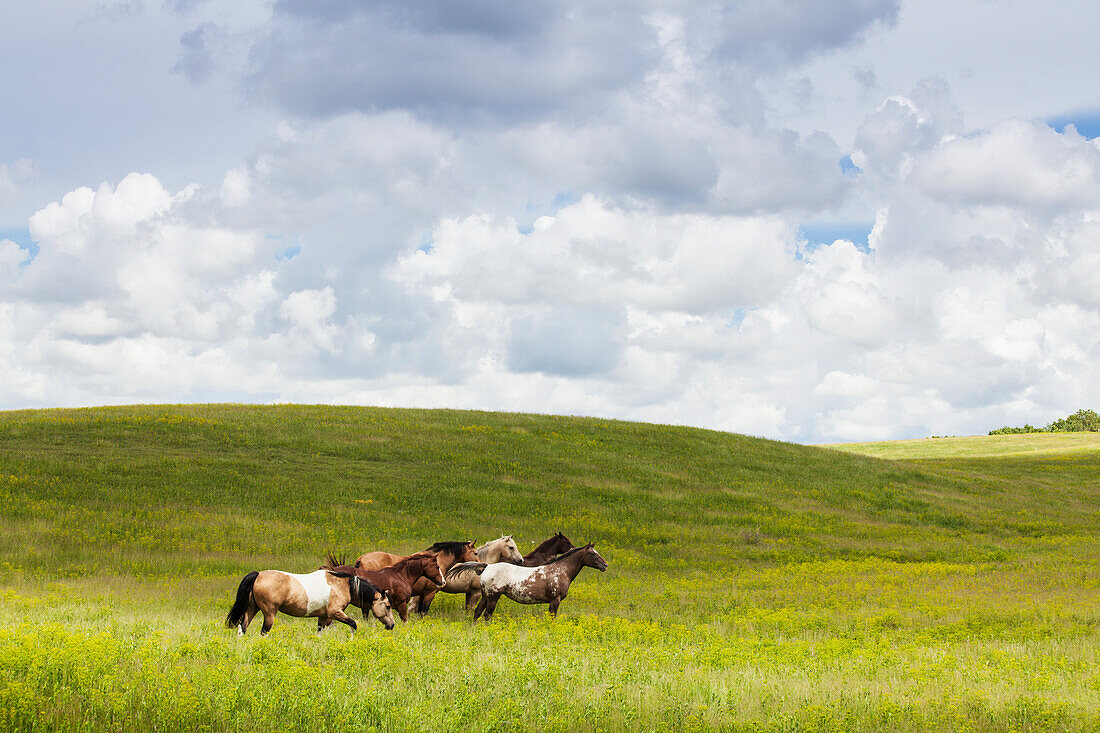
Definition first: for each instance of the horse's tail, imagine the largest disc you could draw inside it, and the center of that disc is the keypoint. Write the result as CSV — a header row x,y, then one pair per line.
x,y
477,568
331,561
244,590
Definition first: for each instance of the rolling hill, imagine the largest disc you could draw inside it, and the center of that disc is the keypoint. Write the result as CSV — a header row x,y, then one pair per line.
x,y
753,584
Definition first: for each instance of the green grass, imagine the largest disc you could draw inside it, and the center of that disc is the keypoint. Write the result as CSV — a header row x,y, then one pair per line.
x,y
753,585
978,446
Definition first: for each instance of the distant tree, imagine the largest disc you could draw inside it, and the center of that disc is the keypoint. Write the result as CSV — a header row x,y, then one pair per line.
x,y
1079,422
1016,431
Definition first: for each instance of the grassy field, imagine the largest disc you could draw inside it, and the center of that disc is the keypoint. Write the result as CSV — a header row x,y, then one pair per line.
x,y
753,585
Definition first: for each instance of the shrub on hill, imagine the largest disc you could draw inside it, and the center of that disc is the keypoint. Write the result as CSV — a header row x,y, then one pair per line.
x,y
1079,422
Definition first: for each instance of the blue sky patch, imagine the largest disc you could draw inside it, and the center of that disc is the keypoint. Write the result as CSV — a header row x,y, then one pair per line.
x,y
824,234
849,168
1087,123
22,237
288,254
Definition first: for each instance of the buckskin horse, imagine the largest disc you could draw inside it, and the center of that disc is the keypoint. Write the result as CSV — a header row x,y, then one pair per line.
x,y
547,583
396,580
321,594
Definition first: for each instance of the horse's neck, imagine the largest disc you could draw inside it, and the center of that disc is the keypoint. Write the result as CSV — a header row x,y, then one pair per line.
x,y
571,566
492,552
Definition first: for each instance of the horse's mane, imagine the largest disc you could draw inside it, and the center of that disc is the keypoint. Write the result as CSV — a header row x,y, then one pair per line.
x,y
454,548
564,555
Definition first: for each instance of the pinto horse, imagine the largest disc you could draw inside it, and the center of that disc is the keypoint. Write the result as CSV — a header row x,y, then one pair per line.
x,y
547,583
397,580
542,554
445,553
319,594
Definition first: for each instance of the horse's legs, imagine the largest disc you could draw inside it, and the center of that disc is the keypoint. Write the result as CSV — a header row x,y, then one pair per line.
x,y
403,610
345,619
425,602
470,602
490,606
322,624
269,612
249,613
554,603
414,603
480,607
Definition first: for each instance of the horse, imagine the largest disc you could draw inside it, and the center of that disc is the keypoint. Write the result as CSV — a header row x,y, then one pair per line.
x,y
542,554
547,583
446,554
465,577
397,580
502,549
322,594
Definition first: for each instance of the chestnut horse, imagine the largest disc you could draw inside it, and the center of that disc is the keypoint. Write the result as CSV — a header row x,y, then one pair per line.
x,y
319,594
547,583
445,553
397,580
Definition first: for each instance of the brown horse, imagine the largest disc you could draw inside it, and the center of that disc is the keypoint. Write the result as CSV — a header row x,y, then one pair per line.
x,y
319,594
542,554
397,580
547,583
423,591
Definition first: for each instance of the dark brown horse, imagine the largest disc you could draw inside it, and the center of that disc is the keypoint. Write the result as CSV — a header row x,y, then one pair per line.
x,y
320,594
556,545
397,580
547,583
423,591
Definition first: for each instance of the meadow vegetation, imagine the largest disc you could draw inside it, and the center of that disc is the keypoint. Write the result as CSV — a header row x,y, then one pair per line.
x,y
753,585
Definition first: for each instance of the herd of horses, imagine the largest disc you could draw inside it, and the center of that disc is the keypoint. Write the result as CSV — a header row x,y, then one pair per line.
x,y
380,582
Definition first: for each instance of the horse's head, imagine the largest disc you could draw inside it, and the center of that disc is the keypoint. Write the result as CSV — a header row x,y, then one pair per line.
x,y
469,553
593,559
509,552
432,571
561,544
381,609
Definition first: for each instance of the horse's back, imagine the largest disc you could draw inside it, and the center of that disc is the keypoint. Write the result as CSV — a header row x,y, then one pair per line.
x,y
293,593
377,560
499,575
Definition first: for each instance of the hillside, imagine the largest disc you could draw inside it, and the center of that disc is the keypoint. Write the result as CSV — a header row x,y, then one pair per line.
x,y
751,582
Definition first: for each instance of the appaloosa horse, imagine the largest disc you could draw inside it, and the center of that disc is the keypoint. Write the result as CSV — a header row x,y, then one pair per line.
x,y
397,580
319,594
547,583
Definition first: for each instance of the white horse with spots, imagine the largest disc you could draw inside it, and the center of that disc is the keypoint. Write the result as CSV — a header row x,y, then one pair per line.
x,y
547,583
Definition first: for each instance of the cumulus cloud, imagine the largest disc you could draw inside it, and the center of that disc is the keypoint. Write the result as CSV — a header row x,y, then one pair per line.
x,y
573,209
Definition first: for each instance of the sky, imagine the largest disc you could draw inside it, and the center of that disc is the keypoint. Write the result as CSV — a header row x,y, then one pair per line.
x,y
815,222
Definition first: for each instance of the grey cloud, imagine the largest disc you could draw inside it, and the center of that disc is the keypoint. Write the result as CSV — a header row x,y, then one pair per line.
x,y
768,34
564,341
508,62
196,59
